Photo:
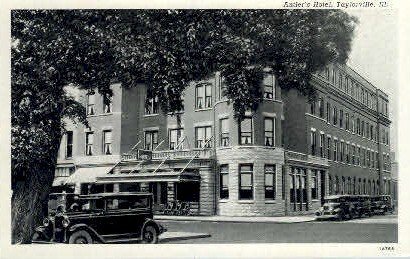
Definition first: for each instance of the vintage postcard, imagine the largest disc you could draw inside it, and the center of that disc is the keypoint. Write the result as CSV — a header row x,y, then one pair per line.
x,y
184,129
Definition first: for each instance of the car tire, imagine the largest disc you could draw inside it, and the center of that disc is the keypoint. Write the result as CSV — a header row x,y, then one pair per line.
x,y
80,237
150,235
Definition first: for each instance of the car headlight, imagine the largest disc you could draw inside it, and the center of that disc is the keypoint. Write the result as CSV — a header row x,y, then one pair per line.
x,y
46,222
65,222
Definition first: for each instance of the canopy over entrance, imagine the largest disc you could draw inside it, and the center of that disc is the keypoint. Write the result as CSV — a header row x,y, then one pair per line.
x,y
158,176
82,175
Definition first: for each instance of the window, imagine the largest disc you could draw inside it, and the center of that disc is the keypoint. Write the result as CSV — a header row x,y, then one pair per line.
x,y
358,126
90,104
328,112
321,108
334,116
363,157
313,107
203,96
314,185
269,86
107,139
371,132
269,132
175,138
202,137
329,140
224,129
362,129
270,182
69,144
347,122
89,139
151,105
246,182
107,104
224,182
222,88
246,129
313,142
352,123
341,119
359,162
151,140
353,155
335,150
348,153
342,151
321,145
367,130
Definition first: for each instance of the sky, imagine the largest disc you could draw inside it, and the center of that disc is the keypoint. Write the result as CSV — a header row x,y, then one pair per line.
x,y
375,55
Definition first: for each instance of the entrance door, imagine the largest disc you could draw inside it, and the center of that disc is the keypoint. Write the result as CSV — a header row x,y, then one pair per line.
x,y
322,187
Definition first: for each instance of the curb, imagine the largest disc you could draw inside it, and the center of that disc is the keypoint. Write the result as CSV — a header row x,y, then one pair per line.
x,y
233,220
183,237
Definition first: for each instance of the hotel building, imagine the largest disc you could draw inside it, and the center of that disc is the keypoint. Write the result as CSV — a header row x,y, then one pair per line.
x,y
282,159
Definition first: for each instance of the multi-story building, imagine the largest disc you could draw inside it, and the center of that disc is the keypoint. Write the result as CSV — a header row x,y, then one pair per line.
x,y
280,160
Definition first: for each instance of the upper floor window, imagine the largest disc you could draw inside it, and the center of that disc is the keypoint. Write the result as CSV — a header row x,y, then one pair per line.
x,y
222,88
107,139
328,112
313,140
334,116
335,147
69,144
269,87
90,104
334,76
269,132
358,126
313,107
89,140
341,119
362,129
347,122
342,151
224,182
152,105
371,132
321,145
224,129
202,137
246,130
353,155
321,108
151,139
270,182
107,104
203,96
329,140
246,182
175,138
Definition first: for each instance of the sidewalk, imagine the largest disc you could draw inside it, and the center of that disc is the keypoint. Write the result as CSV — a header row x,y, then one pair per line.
x,y
290,219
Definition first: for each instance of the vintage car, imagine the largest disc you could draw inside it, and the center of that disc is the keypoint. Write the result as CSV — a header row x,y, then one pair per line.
x,y
336,207
99,218
363,205
382,204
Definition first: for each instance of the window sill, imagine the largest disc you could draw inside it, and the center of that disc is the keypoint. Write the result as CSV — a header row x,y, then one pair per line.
x,y
203,109
246,201
270,201
315,200
101,114
224,200
151,115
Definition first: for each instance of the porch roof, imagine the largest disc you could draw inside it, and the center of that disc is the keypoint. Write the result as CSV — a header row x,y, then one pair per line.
x,y
85,175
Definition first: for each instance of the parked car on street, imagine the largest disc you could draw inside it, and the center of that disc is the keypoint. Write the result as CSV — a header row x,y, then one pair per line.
x,y
336,207
99,218
364,206
382,204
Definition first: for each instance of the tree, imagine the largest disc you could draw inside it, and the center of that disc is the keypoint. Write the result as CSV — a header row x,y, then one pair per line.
x,y
165,49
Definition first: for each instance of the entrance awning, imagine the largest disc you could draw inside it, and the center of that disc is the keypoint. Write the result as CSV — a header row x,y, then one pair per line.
x,y
159,176
86,175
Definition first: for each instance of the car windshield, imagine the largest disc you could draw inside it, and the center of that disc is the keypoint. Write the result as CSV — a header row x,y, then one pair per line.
x,y
60,200
132,202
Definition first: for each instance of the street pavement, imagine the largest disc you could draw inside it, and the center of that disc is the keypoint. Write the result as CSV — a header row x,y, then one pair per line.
x,y
376,229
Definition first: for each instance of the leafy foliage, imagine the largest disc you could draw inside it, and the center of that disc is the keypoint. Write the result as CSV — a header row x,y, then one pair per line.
x,y
166,49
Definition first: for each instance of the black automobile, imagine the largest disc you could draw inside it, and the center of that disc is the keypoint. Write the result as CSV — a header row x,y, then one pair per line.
x,y
336,207
99,218
382,204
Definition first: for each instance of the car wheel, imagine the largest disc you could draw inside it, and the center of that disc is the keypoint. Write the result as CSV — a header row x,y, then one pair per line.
x,y
150,235
80,237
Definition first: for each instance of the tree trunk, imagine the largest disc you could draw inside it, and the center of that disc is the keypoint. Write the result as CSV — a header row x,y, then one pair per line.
x,y
27,203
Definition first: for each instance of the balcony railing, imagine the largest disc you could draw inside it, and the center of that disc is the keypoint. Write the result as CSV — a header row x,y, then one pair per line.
x,y
296,156
171,154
